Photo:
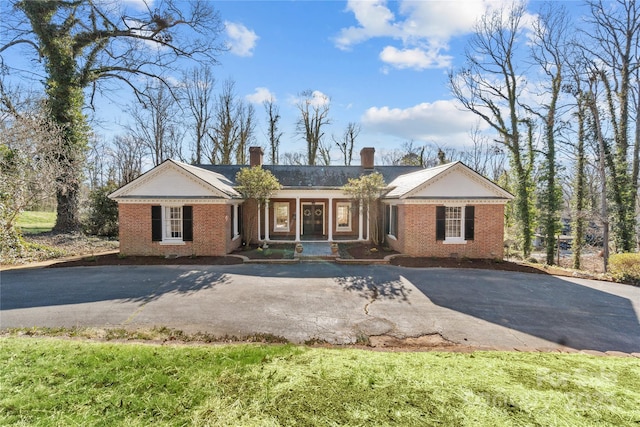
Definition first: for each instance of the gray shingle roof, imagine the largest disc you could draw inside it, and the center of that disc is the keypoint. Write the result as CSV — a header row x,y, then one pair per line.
x,y
297,176
213,178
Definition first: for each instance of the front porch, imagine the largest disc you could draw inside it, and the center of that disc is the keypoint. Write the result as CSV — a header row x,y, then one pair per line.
x,y
299,219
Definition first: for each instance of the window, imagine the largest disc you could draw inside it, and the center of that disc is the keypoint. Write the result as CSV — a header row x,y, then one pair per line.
x,y
452,222
281,213
171,223
455,223
343,216
392,218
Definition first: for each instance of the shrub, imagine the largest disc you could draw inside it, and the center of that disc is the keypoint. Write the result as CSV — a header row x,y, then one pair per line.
x,y
103,212
625,267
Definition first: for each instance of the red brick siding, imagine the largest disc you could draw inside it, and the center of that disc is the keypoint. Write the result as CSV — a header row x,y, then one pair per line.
x,y
211,232
417,233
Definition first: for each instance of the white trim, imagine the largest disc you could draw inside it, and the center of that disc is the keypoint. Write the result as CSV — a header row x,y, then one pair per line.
x,y
186,201
349,226
298,223
165,225
275,217
331,220
447,202
266,220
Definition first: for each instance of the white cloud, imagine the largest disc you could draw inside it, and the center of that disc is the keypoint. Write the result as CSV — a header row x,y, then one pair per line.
x,y
261,95
375,19
241,40
415,58
441,121
423,28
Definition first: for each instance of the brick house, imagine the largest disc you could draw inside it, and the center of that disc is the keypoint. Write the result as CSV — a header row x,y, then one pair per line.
x,y
180,209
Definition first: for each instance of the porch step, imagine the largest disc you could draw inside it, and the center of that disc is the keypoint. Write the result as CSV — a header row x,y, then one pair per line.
x,y
316,251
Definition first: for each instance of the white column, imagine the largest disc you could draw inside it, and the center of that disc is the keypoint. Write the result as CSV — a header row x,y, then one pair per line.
x,y
368,224
298,219
266,221
360,222
330,219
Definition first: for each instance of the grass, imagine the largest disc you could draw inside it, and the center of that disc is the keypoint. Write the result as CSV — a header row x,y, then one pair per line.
x,y
36,222
49,381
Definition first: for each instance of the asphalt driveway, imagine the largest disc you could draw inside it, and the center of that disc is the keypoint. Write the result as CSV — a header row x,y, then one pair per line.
x,y
331,302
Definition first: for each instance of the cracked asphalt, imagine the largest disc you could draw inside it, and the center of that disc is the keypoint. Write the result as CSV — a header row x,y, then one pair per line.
x,y
330,302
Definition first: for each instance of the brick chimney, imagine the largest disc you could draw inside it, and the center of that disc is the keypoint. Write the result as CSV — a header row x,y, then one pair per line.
x,y
366,157
255,156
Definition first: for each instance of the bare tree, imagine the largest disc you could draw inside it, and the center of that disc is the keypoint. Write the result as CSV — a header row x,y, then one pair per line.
x,y
613,41
550,53
29,145
127,156
232,127
489,86
293,159
156,126
314,116
273,118
324,151
484,156
199,84
347,142
246,120
84,42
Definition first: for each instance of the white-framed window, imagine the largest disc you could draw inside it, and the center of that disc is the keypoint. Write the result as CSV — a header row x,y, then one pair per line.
x,y
281,216
393,221
343,216
453,222
172,223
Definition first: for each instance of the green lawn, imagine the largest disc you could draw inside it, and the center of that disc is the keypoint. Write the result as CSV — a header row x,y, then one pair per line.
x,y
48,381
36,222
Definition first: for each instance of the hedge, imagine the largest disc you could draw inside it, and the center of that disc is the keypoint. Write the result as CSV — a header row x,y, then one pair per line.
x,y
625,268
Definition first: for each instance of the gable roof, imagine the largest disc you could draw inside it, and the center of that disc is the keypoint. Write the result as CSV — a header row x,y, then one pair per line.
x,y
193,182
461,182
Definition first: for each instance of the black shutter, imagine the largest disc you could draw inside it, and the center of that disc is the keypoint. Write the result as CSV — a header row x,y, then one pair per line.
x,y
394,220
440,220
469,213
387,214
233,220
156,223
187,223
240,220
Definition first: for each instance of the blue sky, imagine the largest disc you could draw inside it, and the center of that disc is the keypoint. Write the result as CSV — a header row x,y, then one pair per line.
x,y
383,64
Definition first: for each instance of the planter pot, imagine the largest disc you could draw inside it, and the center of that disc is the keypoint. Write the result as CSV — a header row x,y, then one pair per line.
x,y
299,248
334,248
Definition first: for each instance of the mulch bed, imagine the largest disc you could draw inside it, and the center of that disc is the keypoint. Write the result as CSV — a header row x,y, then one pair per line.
x,y
115,259
485,264
364,251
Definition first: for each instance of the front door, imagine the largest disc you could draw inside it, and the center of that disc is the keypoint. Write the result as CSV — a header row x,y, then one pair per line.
x,y
312,219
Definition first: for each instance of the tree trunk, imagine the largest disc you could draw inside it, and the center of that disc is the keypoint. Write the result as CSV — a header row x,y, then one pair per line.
x,y
579,185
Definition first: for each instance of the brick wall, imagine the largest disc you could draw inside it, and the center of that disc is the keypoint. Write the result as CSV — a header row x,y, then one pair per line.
x,y
211,232
417,233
